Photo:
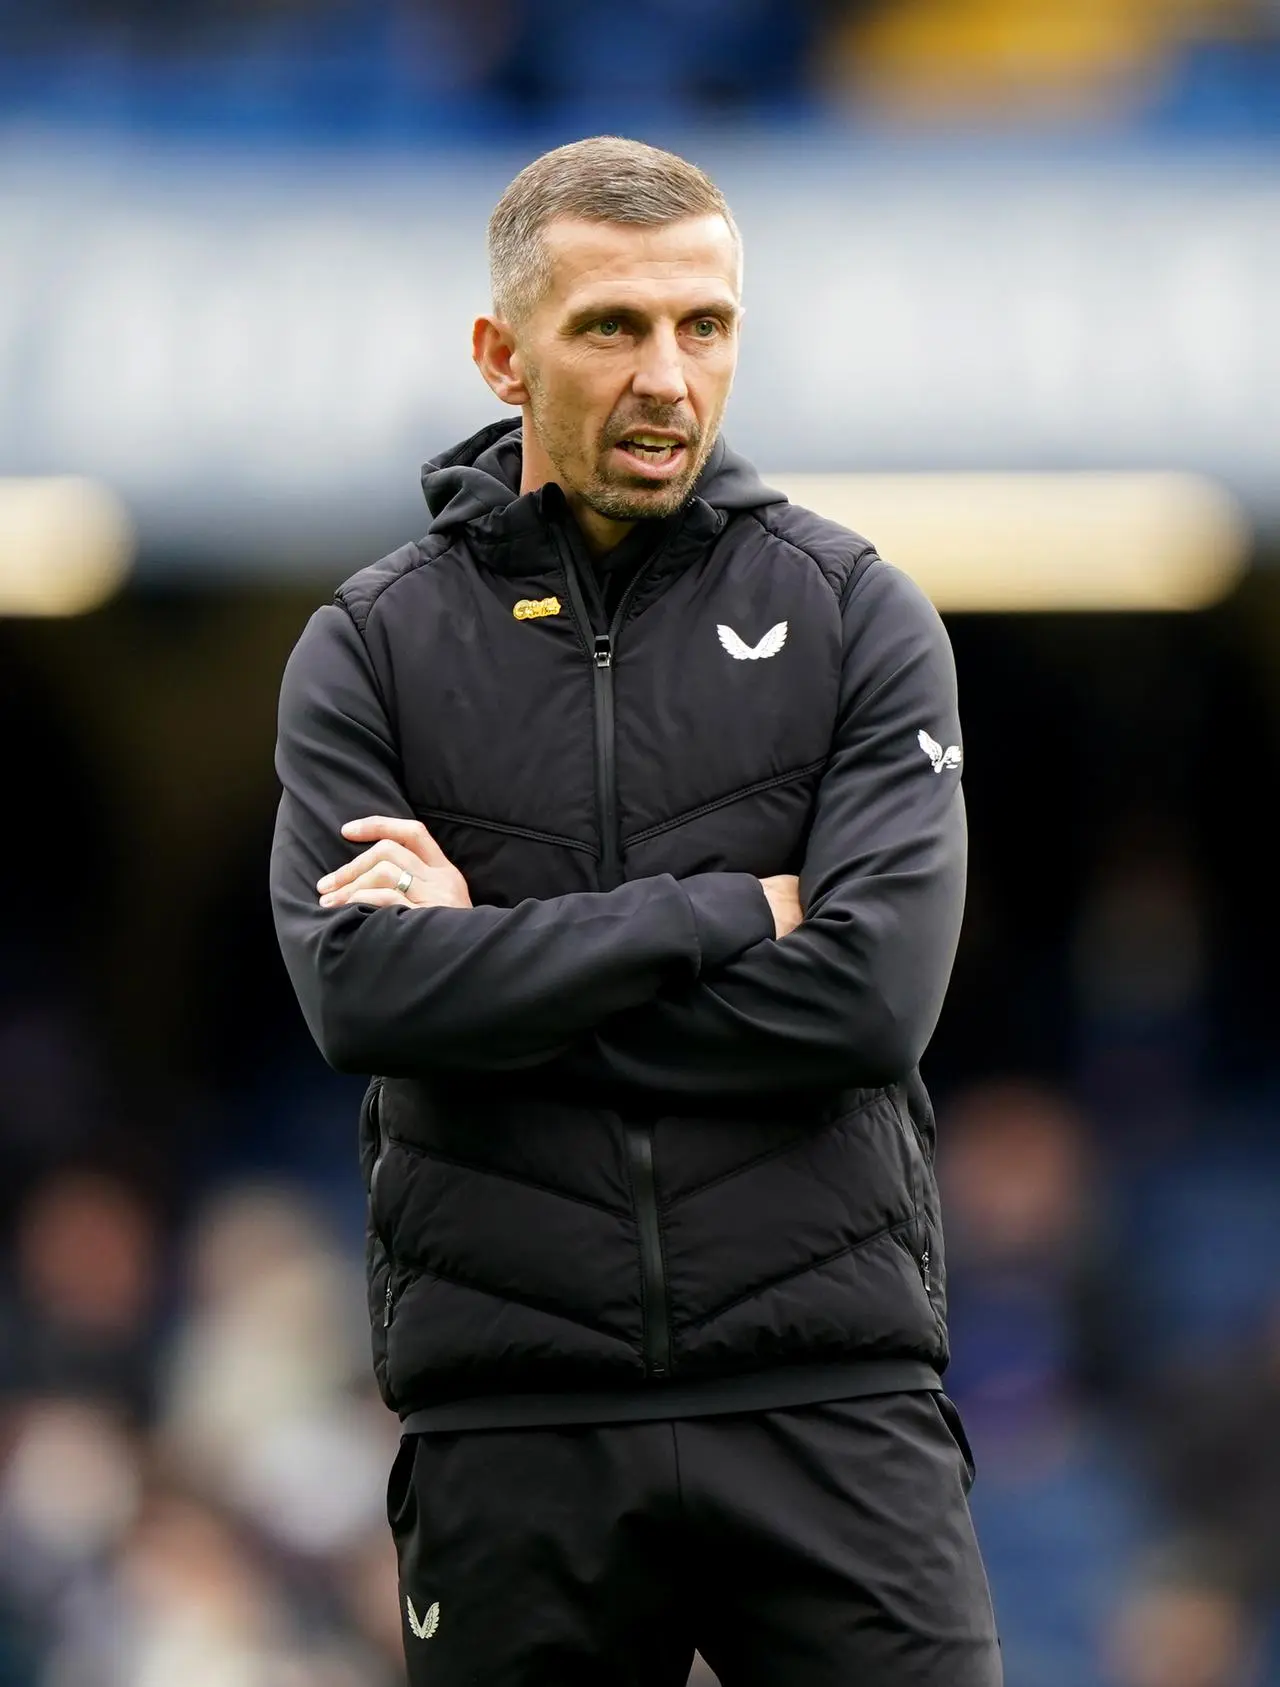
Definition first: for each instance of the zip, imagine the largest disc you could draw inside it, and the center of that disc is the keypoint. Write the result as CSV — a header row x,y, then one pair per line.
x,y
375,1171
606,768
602,647
375,1110
919,1230
657,1325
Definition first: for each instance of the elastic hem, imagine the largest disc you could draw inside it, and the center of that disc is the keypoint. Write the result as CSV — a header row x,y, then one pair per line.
x,y
761,1391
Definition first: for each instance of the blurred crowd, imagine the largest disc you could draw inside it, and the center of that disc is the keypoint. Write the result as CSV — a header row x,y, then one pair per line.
x,y
193,1462
454,70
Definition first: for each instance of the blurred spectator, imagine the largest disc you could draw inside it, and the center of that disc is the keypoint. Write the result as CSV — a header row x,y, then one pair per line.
x,y
1032,1306
187,1602
69,1490
1218,1457
1034,1302
365,1583
80,1316
1184,1624
1140,966
265,1391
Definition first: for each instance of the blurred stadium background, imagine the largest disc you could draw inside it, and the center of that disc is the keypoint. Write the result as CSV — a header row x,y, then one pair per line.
x,y
1014,295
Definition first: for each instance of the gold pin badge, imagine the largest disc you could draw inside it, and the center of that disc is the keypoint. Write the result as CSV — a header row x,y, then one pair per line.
x,y
529,608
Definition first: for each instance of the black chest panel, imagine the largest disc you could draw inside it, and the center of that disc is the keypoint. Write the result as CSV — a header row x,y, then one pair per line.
x,y
716,743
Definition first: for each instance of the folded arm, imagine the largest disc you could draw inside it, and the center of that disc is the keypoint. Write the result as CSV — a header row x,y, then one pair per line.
x,y
399,990
853,995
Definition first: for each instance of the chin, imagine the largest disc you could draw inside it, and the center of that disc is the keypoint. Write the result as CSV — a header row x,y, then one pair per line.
x,y
641,503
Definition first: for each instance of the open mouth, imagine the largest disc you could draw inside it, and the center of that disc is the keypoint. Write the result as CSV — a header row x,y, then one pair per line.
x,y
652,453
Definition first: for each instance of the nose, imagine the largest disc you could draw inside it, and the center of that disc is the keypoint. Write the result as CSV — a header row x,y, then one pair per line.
x,y
660,371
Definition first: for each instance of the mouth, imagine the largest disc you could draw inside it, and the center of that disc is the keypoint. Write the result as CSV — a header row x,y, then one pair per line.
x,y
653,455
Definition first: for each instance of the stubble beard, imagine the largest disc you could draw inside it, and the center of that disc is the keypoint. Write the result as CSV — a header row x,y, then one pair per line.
x,y
614,494
620,499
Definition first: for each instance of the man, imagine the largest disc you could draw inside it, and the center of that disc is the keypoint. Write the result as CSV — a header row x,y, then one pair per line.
x,y
622,841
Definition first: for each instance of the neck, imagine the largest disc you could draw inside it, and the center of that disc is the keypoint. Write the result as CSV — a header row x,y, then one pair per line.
x,y
600,533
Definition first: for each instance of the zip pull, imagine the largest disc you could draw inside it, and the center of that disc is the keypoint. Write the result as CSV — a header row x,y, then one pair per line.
x,y
386,1310
924,1272
603,650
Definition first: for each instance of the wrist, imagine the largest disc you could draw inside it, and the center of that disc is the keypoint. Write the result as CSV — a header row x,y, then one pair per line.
x,y
731,914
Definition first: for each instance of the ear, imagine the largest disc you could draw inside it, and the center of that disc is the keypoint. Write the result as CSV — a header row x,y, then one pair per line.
x,y
494,349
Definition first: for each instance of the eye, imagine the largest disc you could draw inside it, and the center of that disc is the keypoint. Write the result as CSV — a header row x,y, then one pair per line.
x,y
705,328
609,327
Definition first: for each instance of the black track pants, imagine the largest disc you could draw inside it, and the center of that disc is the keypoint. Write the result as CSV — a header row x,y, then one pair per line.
x,y
822,1546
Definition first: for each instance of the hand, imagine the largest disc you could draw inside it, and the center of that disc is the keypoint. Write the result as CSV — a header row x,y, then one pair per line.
x,y
398,846
783,893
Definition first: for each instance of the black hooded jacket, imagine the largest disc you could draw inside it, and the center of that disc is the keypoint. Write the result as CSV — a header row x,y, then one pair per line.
x,y
627,1154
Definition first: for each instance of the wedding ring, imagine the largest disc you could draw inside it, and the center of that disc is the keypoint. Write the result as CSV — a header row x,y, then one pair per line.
x,y
404,882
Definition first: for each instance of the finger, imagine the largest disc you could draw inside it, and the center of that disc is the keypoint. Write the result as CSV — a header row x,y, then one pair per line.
x,y
412,834
366,895
383,850
382,875
380,899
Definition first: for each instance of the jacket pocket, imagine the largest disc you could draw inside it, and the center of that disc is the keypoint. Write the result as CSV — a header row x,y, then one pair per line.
x,y
953,1423
373,1132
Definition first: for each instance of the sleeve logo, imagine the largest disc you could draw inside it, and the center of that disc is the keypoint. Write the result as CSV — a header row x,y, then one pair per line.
x,y
939,758
425,1627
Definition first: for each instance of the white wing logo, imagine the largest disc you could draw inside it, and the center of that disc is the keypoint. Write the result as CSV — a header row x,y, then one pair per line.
x,y
940,758
430,1622
769,645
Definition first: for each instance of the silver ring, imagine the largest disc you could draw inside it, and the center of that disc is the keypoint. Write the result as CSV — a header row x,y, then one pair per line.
x,y
404,882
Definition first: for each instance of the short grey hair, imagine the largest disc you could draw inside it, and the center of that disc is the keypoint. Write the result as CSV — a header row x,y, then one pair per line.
x,y
605,179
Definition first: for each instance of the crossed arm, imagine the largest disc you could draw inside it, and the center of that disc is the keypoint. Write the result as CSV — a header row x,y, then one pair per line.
x,y
705,985
401,985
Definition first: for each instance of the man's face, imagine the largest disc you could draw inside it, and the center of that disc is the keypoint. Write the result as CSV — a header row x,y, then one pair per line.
x,y
628,359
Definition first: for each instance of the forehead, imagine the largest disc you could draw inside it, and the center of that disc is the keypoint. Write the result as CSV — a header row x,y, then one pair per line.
x,y
620,261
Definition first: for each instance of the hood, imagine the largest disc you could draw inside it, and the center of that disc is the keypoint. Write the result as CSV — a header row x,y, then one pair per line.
x,y
483,475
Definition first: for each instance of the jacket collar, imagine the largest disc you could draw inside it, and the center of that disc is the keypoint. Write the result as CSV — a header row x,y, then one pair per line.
x,y
476,486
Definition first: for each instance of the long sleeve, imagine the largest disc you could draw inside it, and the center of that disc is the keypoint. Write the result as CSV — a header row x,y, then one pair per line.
x,y
401,991
853,995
